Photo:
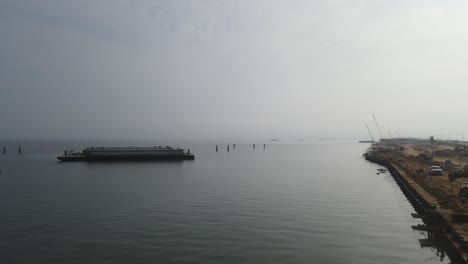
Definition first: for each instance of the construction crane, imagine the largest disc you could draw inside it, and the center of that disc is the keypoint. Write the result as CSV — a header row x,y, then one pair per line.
x,y
389,132
377,125
370,134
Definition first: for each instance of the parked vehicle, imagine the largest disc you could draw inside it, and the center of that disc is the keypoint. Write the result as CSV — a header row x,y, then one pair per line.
x,y
464,189
435,170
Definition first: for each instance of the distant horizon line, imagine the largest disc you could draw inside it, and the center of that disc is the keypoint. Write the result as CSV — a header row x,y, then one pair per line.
x,y
192,139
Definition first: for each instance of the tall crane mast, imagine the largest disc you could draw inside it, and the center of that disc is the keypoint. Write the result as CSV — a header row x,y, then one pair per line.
x,y
377,125
370,134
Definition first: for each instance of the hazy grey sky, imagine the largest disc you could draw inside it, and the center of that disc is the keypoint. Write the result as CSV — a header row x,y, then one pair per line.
x,y
203,69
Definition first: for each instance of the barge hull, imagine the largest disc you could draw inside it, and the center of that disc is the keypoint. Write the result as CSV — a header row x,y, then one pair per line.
x,y
127,158
127,153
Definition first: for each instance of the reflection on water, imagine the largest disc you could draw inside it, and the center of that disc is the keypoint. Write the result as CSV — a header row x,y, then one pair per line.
x,y
435,242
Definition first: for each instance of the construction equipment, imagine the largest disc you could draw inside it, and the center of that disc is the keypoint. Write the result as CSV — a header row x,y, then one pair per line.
x,y
370,134
377,125
464,189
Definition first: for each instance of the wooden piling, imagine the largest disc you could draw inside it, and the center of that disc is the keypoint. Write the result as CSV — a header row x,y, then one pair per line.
x,y
19,150
216,148
4,150
227,148
233,146
263,146
253,146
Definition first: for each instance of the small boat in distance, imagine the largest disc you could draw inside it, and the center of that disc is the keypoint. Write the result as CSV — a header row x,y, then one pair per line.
x,y
127,153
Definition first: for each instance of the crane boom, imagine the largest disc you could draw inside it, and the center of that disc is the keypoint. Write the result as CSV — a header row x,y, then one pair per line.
x,y
370,134
377,125
389,132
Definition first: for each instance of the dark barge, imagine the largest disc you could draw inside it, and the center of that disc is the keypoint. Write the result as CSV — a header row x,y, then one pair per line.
x,y
127,153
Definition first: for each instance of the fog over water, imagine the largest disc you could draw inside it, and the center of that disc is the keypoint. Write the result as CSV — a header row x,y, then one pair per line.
x,y
222,69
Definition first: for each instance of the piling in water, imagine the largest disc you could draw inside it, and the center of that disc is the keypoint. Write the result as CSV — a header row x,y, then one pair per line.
x,y
233,146
227,148
263,146
19,150
216,148
4,150
253,146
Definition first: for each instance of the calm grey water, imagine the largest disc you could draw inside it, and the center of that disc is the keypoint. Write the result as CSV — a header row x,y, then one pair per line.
x,y
316,202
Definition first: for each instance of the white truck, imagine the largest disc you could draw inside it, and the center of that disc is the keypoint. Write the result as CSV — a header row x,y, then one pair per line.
x,y
435,170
